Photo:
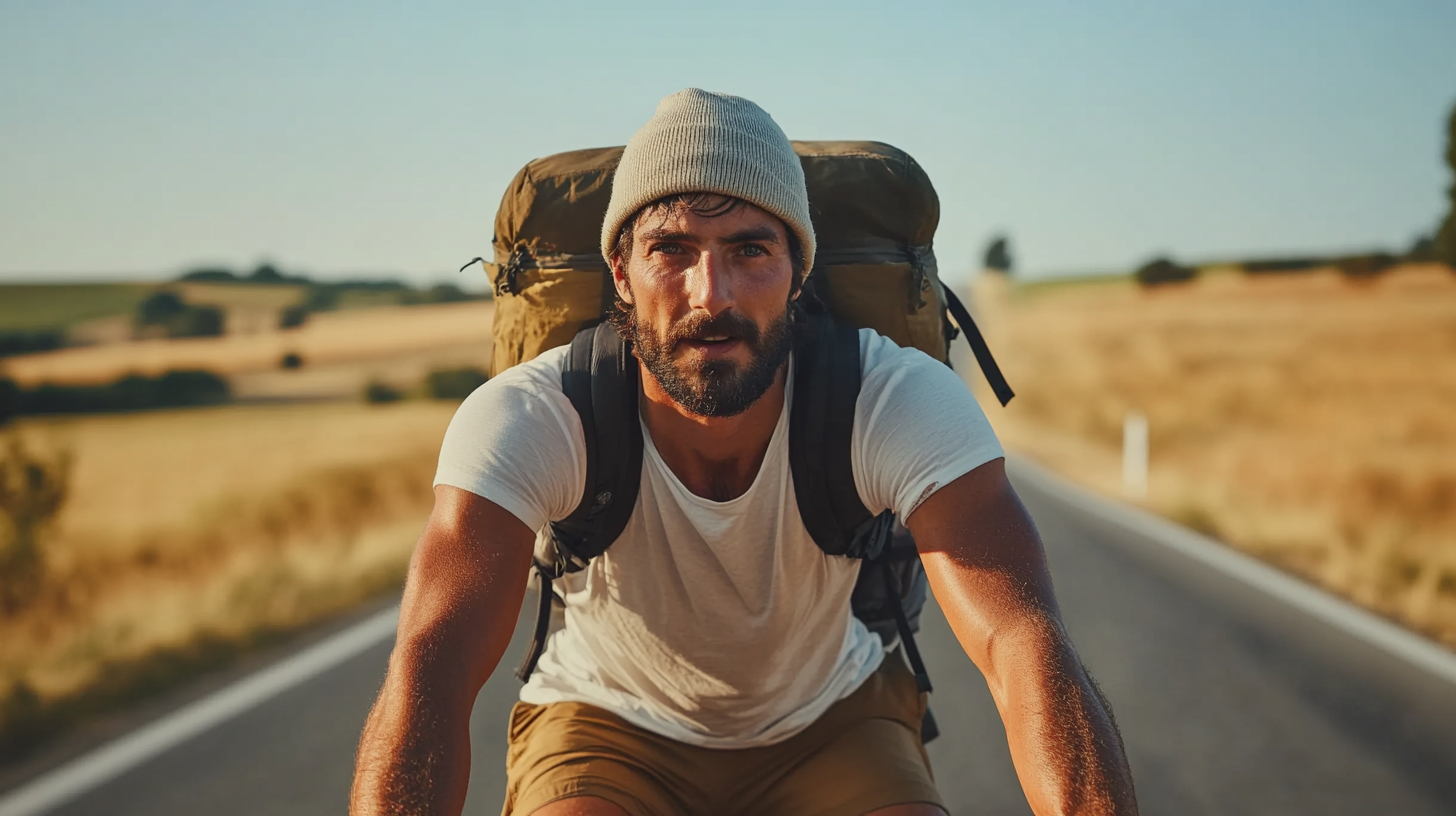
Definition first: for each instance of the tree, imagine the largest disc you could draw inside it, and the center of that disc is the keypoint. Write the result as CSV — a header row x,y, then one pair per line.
x,y
1164,270
1445,238
998,255
267,273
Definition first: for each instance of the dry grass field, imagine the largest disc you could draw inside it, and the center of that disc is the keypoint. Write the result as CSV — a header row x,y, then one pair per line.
x,y
327,338
1308,419
189,533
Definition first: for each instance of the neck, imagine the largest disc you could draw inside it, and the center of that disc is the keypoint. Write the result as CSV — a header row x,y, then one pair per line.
x,y
716,458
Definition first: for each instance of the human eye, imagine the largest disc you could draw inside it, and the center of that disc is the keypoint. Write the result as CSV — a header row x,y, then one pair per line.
x,y
667,248
754,250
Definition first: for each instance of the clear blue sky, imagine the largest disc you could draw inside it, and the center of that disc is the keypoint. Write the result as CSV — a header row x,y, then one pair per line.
x,y
139,139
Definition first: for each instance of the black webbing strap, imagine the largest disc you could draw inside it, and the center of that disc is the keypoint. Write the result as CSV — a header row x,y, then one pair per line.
x,y
600,380
979,348
907,637
543,624
821,424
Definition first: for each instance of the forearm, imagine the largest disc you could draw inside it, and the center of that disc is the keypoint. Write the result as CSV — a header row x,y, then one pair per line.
x,y
414,756
456,619
1063,739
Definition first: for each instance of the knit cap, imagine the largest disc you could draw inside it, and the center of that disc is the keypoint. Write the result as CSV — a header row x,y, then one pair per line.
x,y
703,142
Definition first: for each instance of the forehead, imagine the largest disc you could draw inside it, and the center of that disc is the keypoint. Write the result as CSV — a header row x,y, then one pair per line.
x,y
714,216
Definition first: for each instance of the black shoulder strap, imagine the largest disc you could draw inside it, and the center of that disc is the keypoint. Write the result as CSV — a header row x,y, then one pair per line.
x,y
979,348
821,424
821,429
600,379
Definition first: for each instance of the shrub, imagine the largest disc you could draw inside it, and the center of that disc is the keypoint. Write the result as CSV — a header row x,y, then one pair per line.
x,y
293,317
9,400
291,360
159,308
1365,266
1162,270
379,392
32,491
175,389
454,383
197,321
1278,265
29,342
179,319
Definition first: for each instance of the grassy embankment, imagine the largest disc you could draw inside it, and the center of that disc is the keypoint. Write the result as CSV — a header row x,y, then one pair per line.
x,y
1307,419
191,535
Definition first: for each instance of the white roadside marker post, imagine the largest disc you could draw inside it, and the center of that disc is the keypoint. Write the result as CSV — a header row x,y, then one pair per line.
x,y
1135,456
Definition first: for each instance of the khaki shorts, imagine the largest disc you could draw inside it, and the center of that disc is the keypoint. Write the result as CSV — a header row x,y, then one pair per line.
x,y
864,753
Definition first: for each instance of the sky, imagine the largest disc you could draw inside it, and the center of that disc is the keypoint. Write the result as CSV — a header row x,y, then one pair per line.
x,y
142,139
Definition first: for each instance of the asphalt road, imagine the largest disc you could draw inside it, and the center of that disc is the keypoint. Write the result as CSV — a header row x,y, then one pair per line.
x,y
1230,701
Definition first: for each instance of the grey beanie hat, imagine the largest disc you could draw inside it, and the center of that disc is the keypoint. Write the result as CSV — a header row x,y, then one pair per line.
x,y
702,142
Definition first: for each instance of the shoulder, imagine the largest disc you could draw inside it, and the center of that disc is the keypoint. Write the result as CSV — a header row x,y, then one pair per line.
x,y
916,426
517,441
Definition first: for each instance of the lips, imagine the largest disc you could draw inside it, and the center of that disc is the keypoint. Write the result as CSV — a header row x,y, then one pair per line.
x,y
711,345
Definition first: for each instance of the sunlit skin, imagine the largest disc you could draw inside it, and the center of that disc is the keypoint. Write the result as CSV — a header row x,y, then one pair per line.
x,y
981,551
683,263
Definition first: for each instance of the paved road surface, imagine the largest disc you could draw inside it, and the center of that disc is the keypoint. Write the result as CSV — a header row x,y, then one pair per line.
x,y
1230,702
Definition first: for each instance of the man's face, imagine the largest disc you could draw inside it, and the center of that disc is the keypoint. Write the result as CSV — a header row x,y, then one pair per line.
x,y
709,296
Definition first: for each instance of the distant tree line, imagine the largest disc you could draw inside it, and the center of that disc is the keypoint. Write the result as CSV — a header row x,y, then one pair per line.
x,y
134,392
323,296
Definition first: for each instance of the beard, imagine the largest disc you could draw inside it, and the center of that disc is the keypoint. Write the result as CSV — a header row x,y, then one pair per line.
x,y
714,388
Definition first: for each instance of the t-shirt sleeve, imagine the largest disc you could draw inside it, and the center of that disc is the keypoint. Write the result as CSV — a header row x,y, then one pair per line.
x,y
917,427
517,441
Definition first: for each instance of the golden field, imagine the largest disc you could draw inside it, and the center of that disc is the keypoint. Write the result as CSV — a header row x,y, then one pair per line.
x,y
354,336
1307,419
208,527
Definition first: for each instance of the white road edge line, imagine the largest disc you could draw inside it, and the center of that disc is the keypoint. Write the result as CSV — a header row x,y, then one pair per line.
x,y
1335,611
124,753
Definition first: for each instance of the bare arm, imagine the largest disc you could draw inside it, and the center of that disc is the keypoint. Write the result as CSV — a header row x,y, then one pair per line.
x,y
989,573
466,583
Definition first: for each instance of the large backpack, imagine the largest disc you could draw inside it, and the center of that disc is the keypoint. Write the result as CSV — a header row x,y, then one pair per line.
x,y
875,213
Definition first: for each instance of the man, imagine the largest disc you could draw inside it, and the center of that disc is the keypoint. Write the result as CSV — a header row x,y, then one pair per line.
x,y
710,663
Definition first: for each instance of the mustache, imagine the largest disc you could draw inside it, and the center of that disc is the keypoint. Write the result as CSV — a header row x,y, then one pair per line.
x,y
725,324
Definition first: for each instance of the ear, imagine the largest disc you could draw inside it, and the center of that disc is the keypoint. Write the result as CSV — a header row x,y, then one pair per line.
x,y
619,278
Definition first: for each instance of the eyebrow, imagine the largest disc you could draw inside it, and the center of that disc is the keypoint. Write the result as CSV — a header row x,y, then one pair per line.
x,y
763,234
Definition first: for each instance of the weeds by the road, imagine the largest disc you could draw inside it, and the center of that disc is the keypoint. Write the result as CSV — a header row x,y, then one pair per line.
x,y
191,536
1307,419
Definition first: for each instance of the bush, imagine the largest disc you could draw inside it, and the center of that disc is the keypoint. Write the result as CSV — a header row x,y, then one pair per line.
x,y
378,392
291,360
29,342
32,491
179,319
454,383
9,400
197,321
1278,265
159,308
1162,270
175,389
293,317
1366,266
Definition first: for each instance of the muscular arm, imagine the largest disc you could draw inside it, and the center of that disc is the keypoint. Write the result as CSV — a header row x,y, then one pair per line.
x,y
988,571
466,583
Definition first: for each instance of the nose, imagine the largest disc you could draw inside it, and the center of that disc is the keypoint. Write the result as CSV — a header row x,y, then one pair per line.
x,y
710,286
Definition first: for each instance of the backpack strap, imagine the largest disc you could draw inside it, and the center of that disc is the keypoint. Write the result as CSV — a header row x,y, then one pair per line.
x,y
600,379
979,348
821,430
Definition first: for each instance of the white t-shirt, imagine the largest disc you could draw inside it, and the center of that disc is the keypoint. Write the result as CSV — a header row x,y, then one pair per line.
x,y
719,624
